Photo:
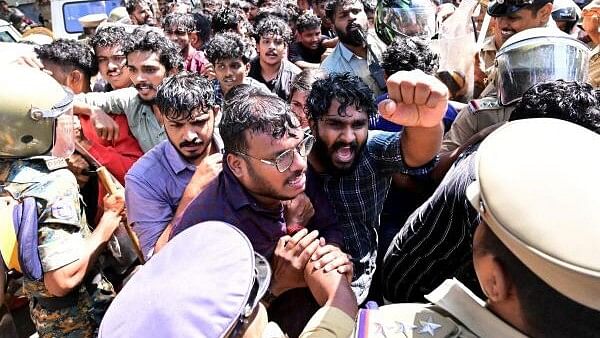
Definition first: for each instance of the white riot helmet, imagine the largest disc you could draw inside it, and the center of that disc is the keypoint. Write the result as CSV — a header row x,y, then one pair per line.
x,y
36,114
536,55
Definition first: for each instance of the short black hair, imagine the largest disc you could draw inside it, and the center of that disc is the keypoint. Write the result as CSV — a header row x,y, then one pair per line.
x,y
131,4
409,53
179,95
273,11
305,79
226,19
347,89
332,5
308,21
547,312
202,26
152,41
69,53
275,26
183,21
257,111
576,102
226,46
109,36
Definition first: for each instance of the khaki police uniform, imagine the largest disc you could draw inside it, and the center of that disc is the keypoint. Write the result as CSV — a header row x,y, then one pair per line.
x,y
594,70
520,191
476,116
62,231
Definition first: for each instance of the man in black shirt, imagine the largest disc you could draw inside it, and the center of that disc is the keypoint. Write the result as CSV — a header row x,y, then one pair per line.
x,y
308,50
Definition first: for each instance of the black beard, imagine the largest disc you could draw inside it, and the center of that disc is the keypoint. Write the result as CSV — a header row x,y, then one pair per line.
x,y
324,157
352,37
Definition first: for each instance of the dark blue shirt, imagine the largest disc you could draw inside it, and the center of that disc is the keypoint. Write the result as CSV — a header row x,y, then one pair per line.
x,y
225,199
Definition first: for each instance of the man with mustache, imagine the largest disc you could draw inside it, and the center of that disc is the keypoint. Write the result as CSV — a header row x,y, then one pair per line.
x,y
353,54
150,57
162,182
357,166
271,67
141,12
264,191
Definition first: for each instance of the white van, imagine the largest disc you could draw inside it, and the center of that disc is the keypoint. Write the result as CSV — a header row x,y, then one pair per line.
x,y
65,14
8,33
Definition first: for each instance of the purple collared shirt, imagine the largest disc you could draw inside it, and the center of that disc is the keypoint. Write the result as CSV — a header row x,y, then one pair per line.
x,y
153,188
226,200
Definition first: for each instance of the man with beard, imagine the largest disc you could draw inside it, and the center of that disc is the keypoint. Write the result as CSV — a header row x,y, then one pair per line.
x,y
163,181
264,191
179,28
353,54
150,58
356,167
271,67
140,12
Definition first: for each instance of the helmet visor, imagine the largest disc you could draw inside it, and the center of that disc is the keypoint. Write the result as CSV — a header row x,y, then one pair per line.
x,y
536,60
417,19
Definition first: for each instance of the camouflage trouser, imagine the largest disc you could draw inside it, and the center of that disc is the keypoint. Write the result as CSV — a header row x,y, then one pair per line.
x,y
80,320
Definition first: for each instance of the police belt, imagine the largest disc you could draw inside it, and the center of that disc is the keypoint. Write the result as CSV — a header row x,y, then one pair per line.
x,y
58,303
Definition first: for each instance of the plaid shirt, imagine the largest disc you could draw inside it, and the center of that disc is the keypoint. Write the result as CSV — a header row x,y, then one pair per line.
x,y
358,200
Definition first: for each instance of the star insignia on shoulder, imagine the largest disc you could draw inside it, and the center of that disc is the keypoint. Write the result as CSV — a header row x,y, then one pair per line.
x,y
428,326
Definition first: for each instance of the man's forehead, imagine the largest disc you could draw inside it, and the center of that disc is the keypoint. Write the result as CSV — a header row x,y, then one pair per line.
x,y
348,6
144,57
271,35
115,49
230,61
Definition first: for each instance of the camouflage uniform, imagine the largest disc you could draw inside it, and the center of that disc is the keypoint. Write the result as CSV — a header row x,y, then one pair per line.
x,y
62,230
476,116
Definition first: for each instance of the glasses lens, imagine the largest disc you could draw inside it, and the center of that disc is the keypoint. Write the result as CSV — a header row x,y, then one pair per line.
x,y
306,145
284,161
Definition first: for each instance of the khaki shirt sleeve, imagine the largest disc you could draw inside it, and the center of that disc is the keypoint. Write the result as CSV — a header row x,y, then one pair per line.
x,y
329,322
462,129
115,102
594,70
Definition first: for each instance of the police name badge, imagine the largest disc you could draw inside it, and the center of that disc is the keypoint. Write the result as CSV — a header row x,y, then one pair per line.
x,y
55,163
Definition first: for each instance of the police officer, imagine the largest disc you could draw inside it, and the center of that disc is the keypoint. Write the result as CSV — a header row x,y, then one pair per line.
x,y
529,57
536,285
43,230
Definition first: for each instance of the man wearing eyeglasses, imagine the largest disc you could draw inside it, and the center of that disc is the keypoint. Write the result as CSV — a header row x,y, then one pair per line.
x,y
265,192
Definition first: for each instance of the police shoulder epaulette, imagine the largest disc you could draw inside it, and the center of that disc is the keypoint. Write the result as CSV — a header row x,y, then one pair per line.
x,y
486,103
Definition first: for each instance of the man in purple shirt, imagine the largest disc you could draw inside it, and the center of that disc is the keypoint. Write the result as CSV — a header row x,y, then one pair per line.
x,y
261,190
163,181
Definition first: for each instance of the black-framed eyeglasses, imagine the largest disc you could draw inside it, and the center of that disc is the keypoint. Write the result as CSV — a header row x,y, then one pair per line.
x,y
284,161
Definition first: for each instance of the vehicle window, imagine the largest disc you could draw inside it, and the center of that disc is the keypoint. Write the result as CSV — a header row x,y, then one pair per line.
x,y
6,37
72,11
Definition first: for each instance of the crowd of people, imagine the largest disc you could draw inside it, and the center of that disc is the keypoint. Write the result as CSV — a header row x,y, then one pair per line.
x,y
327,168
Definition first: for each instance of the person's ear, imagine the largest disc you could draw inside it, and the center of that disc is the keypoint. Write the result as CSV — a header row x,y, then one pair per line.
x,y
494,280
193,39
76,81
544,13
236,164
247,68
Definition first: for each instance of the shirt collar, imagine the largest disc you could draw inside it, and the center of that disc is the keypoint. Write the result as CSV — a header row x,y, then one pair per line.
x,y
470,310
177,163
345,52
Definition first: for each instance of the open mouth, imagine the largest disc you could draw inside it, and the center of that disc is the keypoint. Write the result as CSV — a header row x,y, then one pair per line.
x,y
344,154
298,181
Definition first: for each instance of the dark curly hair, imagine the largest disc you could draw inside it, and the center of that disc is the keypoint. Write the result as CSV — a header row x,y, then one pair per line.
x,y
308,21
226,46
409,53
273,11
227,19
179,21
252,109
109,36
576,102
152,41
347,89
332,5
179,95
69,53
275,26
